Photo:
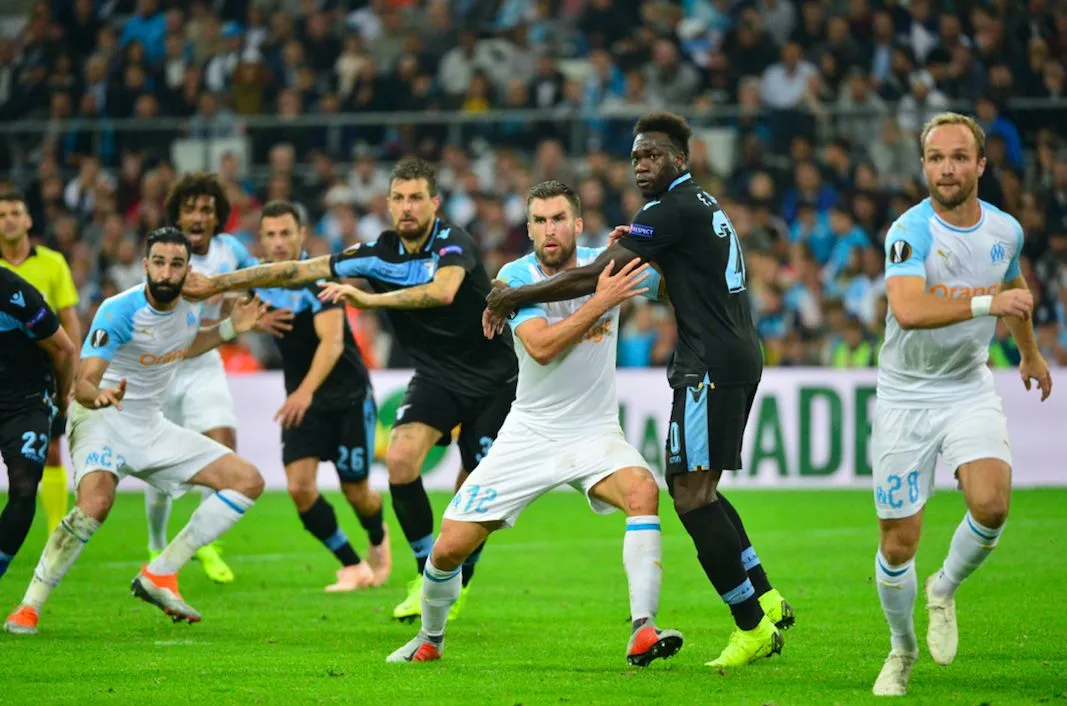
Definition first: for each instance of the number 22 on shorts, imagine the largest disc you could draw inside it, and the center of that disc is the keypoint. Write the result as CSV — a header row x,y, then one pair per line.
x,y
888,493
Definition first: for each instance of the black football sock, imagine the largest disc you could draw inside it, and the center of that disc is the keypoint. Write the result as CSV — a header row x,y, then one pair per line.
x,y
17,516
374,527
749,558
469,564
412,507
320,520
719,551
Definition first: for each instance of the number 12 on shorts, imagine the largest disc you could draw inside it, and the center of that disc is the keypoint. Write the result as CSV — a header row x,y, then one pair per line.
x,y
888,493
477,499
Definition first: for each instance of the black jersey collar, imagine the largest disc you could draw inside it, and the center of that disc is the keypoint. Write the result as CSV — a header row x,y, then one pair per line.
x,y
429,241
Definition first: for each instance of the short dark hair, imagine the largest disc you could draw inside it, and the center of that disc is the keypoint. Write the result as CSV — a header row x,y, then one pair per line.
x,y
673,126
552,188
280,207
167,235
13,195
411,168
192,186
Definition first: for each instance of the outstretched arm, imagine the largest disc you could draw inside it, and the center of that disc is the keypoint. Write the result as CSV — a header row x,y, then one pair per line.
x,y
244,317
568,284
279,274
1032,365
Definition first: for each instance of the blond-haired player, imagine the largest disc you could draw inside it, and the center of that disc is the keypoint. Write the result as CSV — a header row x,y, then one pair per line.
x,y
952,268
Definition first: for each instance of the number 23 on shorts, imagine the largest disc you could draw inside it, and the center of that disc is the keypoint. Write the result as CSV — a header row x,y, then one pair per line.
x,y
891,493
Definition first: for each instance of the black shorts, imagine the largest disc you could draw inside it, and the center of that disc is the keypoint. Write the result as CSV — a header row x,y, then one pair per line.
x,y
25,433
707,427
479,418
343,436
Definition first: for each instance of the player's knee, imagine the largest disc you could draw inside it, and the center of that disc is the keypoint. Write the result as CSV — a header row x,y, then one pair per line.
x,y
899,544
692,491
400,460
303,493
96,505
642,498
362,499
449,554
23,480
245,479
991,512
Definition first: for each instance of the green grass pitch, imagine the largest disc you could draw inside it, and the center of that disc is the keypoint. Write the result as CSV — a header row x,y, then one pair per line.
x,y
546,622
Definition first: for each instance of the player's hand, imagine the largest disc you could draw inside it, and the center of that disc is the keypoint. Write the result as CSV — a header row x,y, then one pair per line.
x,y
338,292
1036,369
497,301
492,324
197,287
276,322
247,314
1013,302
613,288
292,413
617,234
110,397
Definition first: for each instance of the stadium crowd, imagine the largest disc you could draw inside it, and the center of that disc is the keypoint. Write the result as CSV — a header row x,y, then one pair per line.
x,y
824,99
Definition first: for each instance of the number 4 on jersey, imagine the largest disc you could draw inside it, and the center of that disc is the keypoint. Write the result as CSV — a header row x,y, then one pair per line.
x,y
724,228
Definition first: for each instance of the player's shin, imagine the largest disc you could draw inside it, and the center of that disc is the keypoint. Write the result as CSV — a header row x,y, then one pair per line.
x,y
749,558
439,591
212,518
374,525
897,588
413,511
63,547
321,521
157,506
17,516
971,545
719,551
642,558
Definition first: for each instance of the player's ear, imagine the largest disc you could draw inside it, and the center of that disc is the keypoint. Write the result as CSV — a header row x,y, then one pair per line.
x,y
981,166
436,202
579,226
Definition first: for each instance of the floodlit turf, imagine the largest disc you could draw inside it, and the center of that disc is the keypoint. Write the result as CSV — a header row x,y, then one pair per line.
x,y
546,622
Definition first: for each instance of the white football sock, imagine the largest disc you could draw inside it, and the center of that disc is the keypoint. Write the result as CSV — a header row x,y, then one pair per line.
x,y
157,511
440,589
897,588
971,545
642,556
63,547
215,515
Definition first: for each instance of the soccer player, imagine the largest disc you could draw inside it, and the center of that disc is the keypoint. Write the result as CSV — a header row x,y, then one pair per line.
x,y
199,398
428,276
329,413
714,372
952,268
46,270
37,368
116,428
562,429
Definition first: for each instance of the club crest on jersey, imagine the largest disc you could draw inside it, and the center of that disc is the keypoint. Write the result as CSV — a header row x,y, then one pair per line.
x,y
450,248
997,253
18,300
99,338
899,251
642,231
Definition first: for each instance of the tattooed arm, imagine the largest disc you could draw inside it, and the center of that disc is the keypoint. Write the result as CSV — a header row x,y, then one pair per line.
x,y
278,274
441,291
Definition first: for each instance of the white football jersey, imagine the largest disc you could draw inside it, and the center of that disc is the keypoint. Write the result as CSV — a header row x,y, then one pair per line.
x,y
225,253
933,367
575,392
143,345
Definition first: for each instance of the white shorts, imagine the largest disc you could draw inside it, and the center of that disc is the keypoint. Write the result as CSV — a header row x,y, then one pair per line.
x,y
522,465
157,451
199,397
905,444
